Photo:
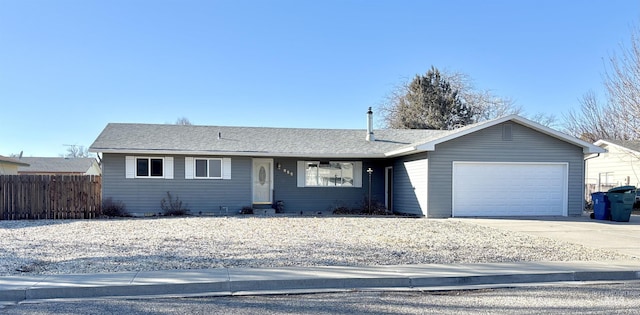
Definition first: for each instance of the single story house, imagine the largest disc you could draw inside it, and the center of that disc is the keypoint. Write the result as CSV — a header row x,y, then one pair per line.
x,y
618,166
59,166
9,166
509,166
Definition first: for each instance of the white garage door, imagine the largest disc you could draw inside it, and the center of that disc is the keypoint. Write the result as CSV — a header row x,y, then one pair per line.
x,y
509,189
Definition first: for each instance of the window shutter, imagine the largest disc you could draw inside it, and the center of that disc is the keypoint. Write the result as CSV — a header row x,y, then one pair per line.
x,y
226,168
188,168
301,174
357,174
168,167
130,167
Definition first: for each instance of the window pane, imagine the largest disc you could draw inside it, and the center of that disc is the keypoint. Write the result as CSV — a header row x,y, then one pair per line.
x,y
325,175
347,174
201,168
156,167
311,174
215,168
142,167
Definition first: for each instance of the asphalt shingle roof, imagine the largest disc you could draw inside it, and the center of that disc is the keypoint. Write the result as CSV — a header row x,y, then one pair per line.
x,y
298,142
56,165
629,144
11,160
119,137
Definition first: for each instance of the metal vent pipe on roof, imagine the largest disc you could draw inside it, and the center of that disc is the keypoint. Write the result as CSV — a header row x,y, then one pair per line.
x,y
370,136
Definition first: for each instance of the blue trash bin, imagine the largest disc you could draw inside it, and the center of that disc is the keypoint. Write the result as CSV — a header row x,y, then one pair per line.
x,y
601,208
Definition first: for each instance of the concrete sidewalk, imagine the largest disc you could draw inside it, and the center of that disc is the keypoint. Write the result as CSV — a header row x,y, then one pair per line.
x,y
244,281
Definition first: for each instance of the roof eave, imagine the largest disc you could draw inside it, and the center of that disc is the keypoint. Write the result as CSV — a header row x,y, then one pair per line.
x,y
240,153
599,142
587,148
404,151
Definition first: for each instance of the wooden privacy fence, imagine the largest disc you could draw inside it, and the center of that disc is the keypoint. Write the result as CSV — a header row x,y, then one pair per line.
x,y
50,197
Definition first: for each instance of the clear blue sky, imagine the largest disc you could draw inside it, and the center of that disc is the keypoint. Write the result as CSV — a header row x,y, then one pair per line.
x,y
67,68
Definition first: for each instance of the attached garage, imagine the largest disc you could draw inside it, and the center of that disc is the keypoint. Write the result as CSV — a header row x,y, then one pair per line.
x,y
509,189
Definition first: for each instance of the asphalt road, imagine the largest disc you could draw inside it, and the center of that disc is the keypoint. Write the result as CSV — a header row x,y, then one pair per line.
x,y
592,298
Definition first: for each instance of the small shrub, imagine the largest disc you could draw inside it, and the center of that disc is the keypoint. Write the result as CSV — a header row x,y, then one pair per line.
x,y
246,210
114,208
375,208
339,207
173,207
342,209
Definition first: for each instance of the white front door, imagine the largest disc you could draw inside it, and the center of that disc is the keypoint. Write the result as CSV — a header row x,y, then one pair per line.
x,y
262,181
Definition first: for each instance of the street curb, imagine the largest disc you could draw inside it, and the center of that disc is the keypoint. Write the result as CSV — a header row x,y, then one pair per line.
x,y
307,285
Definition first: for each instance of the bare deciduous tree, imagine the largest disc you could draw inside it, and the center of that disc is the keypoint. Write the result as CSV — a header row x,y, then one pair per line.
x,y
622,83
183,121
594,120
484,103
76,151
619,117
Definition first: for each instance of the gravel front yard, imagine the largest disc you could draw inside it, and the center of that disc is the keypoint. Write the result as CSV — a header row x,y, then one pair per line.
x,y
87,246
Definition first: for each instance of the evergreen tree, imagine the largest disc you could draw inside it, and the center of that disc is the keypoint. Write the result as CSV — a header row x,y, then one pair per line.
x,y
429,102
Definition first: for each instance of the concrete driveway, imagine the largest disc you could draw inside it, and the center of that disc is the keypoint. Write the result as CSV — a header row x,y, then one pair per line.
x,y
623,237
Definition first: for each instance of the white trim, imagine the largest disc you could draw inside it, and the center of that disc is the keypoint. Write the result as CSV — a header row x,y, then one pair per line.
x,y
168,167
565,196
323,156
621,147
401,151
226,168
302,174
357,174
189,165
208,159
587,148
130,167
149,158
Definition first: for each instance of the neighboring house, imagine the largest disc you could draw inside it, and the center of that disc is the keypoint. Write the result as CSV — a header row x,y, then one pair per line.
x,y
619,166
9,166
59,166
508,166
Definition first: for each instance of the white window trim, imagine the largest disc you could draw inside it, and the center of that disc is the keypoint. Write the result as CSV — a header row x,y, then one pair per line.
x,y
195,162
131,165
190,167
357,174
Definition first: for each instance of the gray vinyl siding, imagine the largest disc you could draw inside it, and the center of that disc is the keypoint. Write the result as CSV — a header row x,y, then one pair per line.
x,y
325,199
142,196
405,199
487,145
207,196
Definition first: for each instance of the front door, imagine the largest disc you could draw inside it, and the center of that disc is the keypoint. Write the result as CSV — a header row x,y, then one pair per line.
x,y
262,181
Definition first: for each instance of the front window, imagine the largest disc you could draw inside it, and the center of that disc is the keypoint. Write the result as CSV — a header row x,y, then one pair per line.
x,y
149,167
208,168
328,174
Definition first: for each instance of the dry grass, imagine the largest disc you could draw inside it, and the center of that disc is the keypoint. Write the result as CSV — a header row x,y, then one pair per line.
x,y
87,246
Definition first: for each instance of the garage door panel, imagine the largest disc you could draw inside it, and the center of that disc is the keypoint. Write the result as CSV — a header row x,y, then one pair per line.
x,y
509,189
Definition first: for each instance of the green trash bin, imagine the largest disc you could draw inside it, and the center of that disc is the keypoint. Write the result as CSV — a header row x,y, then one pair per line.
x,y
621,199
